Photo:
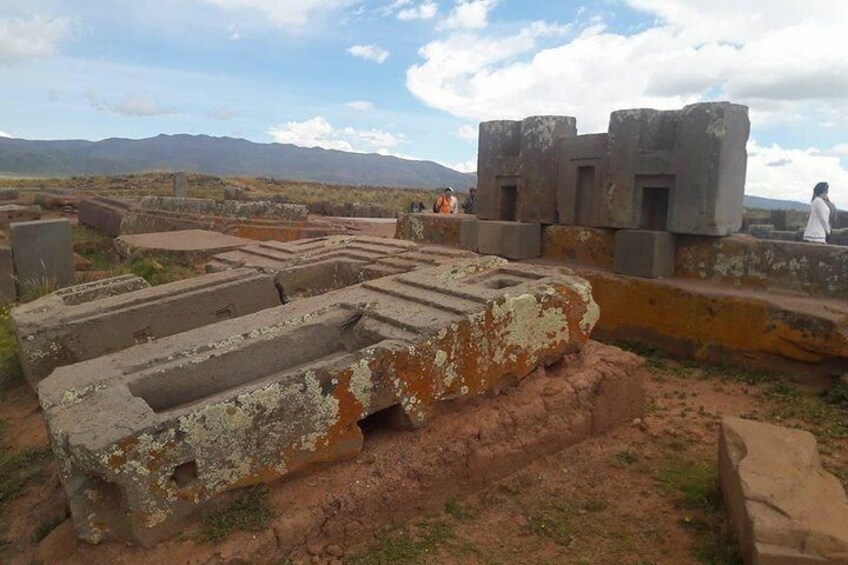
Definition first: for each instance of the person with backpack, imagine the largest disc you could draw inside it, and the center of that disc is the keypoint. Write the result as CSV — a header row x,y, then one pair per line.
x,y
446,203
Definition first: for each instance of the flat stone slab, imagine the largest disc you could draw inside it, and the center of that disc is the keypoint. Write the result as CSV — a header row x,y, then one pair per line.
x,y
15,213
189,245
230,208
94,319
784,507
146,436
42,251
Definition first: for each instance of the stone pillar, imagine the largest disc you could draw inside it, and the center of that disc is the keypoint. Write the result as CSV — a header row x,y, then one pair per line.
x,y
180,185
7,276
42,250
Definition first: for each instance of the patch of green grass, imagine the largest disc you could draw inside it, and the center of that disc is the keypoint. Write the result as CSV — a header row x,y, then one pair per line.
x,y
653,357
836,395
159,270
32,289
405,545
741,375
10,365
250,513
823,415
695,486
454,509
17,467
695,483
553,522
627,457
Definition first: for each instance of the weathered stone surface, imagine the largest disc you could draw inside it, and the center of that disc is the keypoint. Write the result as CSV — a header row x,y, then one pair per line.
x,y
15,213
513,240
644,253
579,245
227,208
9,194
98,318
785,508
518,168
688,319
468,235
103,214
314,266
440,229
55,198
188,246
180,185
42,251
8,293
146,436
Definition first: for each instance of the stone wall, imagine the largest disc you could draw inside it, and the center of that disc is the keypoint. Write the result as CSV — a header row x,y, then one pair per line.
x,y
227,208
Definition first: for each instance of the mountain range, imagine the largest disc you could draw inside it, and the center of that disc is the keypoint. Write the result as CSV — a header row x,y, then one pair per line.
x,y
222,156
227,157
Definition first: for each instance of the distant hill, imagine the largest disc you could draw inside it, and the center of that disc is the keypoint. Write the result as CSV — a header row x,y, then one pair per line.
x,y
773,204
221,156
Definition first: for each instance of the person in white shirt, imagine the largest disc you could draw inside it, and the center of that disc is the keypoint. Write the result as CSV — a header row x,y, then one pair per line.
x,y
818,226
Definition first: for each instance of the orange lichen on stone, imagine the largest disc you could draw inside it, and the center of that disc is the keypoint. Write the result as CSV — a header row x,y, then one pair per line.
x,y
271,393
581,245
716,325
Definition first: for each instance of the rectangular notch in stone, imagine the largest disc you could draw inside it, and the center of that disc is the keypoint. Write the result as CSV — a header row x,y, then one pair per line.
x,y
509,200
585,189
503,278
324,339
655,193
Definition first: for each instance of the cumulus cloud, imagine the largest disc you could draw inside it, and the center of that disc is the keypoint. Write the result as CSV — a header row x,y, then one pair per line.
x,y
369,53
29,38
423,11
318,132
790,174
131,105
787,62
6,135
469,166
361,105
282,12
467,132
469,14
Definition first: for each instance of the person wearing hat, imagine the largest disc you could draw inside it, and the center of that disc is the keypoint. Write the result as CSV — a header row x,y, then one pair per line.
x,y
446,203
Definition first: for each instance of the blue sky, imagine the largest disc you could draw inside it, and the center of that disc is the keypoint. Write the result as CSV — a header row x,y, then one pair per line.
x,y
414,77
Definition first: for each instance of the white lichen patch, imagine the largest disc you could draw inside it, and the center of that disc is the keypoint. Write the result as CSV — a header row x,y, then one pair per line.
x,y
361,384
527,325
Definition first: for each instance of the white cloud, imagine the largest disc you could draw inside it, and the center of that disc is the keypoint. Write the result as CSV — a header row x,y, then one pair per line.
x,y
282,12
469,166
790,174
361,105
424,11
131,105
223,113
318,132
369,53
6,135
467,132
840,150
22,39
784,61
469,14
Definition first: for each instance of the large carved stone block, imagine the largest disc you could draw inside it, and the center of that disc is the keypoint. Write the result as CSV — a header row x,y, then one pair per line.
x,y
146,436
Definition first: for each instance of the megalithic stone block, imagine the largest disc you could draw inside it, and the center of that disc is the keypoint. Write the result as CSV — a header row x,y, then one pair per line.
x,y
42,251
314,266
81,323
8,293
513,240
145,437
644,253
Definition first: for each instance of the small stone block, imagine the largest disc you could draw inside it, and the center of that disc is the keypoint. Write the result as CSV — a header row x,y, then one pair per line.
x,y
180,185
644,253
42,250
512,240
7,276
468,235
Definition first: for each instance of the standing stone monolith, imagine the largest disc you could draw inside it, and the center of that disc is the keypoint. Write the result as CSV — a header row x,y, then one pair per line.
x,y
180,185
42,252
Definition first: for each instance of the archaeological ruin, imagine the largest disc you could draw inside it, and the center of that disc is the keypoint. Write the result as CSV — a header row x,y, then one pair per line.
x,y
297,337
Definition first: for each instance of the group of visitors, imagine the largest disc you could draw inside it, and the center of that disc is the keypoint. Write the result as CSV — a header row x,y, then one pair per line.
x,y
822,215
447,203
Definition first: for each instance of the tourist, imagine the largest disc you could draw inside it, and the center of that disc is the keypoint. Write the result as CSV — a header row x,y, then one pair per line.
x,y
470,204
446,203
818,226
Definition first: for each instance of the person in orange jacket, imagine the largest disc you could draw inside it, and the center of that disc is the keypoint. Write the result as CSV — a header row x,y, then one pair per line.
x,y
446,203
